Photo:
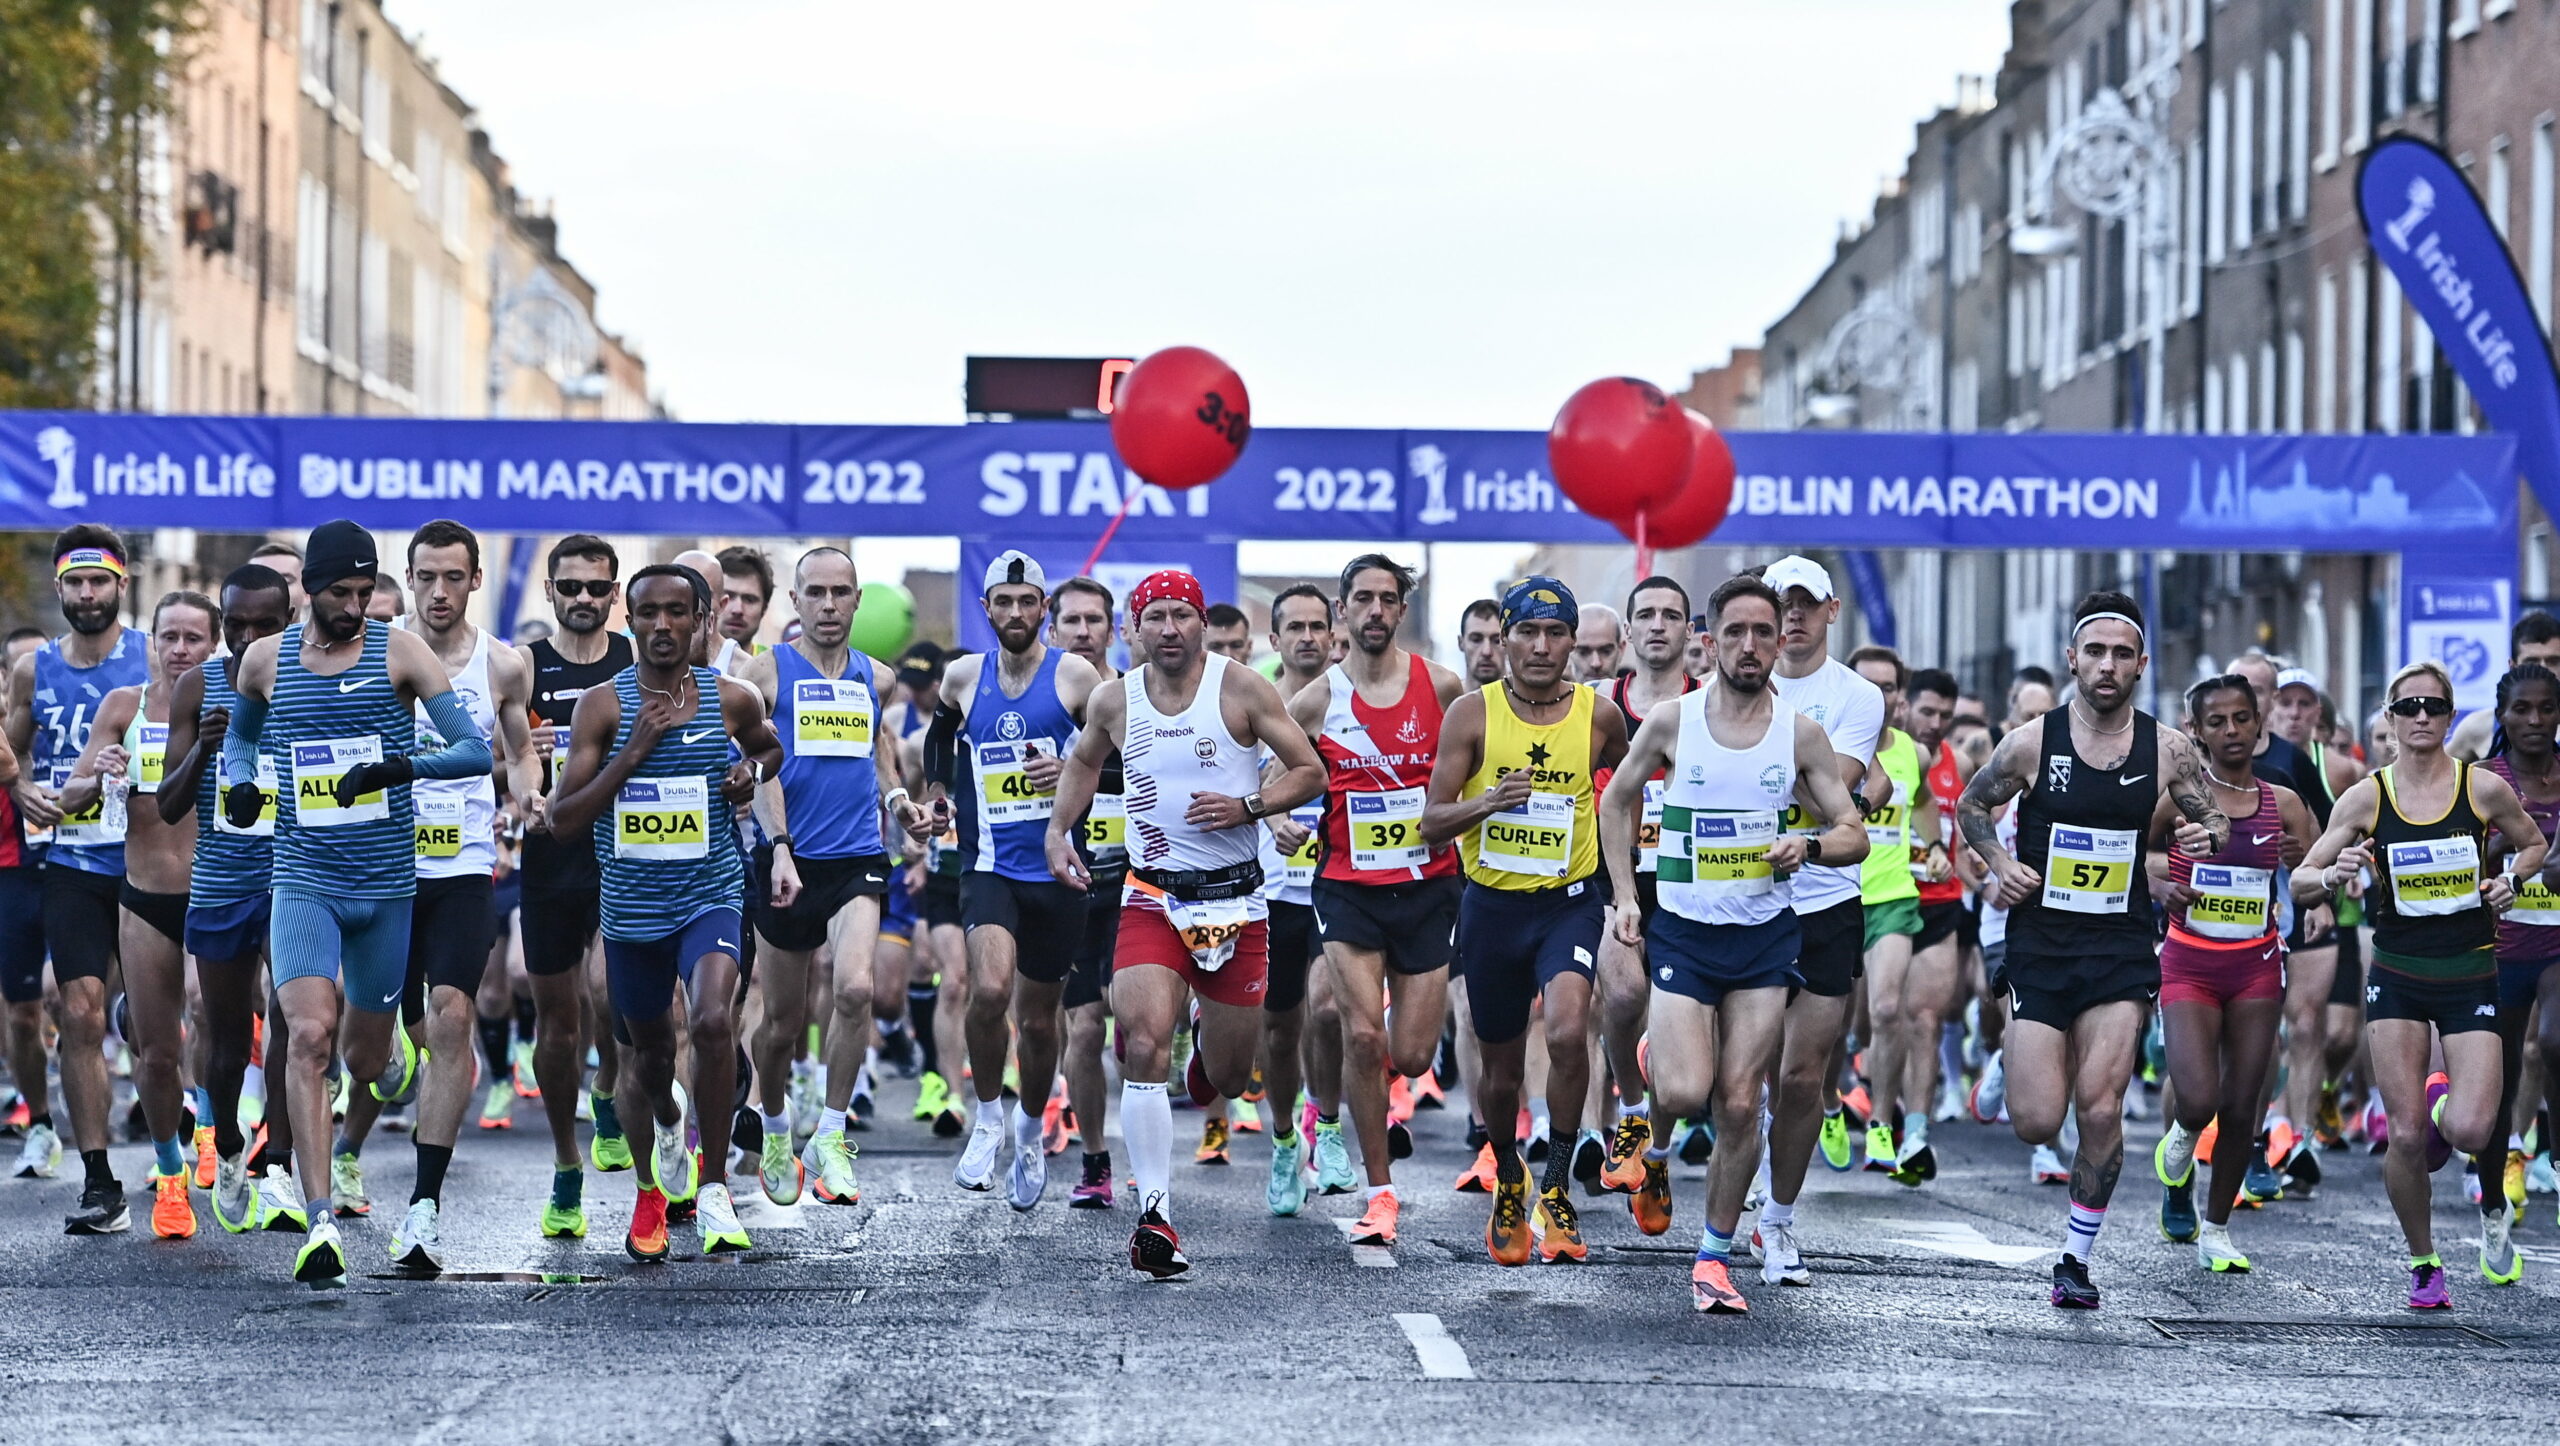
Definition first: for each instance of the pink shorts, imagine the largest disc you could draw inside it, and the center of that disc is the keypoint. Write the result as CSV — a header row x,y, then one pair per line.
x,y
2193,971
1147,937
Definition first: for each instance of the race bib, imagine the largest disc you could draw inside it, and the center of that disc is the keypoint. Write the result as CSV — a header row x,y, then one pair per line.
x,y
942,851
1649,829
1385,829
2535,904
100,824
1729,853
1535,838
439,826
1106,827
831,718
1298,870
2230,902
2435,876
1888,827
317,767
1208,929
662,818
265,827
1005,792
2088,870
153,759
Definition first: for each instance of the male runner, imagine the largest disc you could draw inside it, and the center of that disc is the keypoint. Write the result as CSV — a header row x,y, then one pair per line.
x,y
1598,644
1724,937
228,880
1513,784
127,754
2529,936
1899,1056
54,695
2535,638
1802,1114
560,902
2030,698
345,873
1081,622
1933,992
654,750
1481,659
1302,636
1015,707
1480,641
2082,964
1229,633
824,812
1385,902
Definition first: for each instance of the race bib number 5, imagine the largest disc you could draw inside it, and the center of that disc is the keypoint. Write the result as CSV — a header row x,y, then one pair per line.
x,y
2089,870
317,767
662,818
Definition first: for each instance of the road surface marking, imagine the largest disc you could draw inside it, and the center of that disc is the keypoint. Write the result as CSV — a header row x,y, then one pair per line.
x,y
1374,1257
1954,1237
1443,1359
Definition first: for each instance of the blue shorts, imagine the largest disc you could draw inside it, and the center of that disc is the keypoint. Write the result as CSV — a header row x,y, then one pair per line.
x,y
236,930
362,945
641,974
898,910
508,893
1706,962
1513,943
2520,982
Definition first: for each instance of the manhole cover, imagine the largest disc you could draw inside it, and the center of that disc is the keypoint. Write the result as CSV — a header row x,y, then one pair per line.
x,y
2320,1333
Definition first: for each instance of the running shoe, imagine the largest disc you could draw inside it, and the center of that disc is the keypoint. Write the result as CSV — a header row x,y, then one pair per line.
x,y
2302,1171
2262,1184
252,1108
173,1215
716,1216
2439,1149
2280,1141
1213,1143
610,1149
1990,1097
1781,1258
338,1091
1624,1170
498,1108
2045,1167
1590,1157
2539,1178
398,1083
523,1081
1951,1101
672,1165
1834,1140
828,1160
2514,1179
803,1098
564,1215
41,1155
280,1204
2500,1262
13,1121
1333,1162
2173,1160
933,1095
2215,1252
1476,1179
1880,1149
2377,1125
415,1243
1286,1195
1650,1203
346,1186
2328,1126
647,1240
1559,1228
1093,1192
976,1169
2072,1289
1427,1093
321,1263
1028,1180
859,1109
1155,1249
778,1170
235,1197
1399,1141
1855,1100
1506,1230
1377,1224
205,1157
1711,1288
2427,1288
1698,1142
1057,1126
2178,1222
1916,1166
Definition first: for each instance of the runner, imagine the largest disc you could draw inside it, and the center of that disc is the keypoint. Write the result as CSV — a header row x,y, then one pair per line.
x,y
652,750
745,588
2528,711
2420,823
560,903
1302,634
345,874
54,695
1658,618
2081,963
1513,785
1384,902
2311,938
1482,660
2535,638
1900,1056
1943,952
228,903
1193,914
823,811
127,755
1598,645
1480,644
1016,706
2324,986
2222,970
1724,940
1081,622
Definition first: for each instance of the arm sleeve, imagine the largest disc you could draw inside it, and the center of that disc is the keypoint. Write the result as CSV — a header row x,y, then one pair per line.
x,y
942,745
467,756
240,744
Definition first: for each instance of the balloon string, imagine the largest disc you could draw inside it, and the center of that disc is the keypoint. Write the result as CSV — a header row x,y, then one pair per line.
x,y
1644,552
1105,541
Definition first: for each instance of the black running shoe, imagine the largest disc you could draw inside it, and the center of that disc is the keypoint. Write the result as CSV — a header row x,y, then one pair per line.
x,y
1590,1157
2302,1171
102,1211
1399,1141
2071,1287
1536,1153
680,1212
1155,1249
1698,1146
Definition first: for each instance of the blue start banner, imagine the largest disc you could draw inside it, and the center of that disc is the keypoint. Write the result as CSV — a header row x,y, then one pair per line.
x,y
1061,482
2427,224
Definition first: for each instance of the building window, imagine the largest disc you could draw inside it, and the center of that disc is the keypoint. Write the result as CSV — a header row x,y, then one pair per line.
x,y
2293,388
2235,398
2217,194
2360,70
2501,185
310,262
2324,344
2395,54
2359,285
2191,231
2333,46
2297,170
2537,275
2213,399
2466,17
2243,173
430,171
315,49
2387,374
2267,379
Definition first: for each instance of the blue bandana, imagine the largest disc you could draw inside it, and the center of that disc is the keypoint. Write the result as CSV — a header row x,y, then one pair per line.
x,y
1535,598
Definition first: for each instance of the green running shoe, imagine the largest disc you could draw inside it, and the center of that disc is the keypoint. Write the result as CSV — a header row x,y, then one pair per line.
x,y
1834,1140
933,1096
399,1082
322,1261
279,1204
1880,1149
346,1186
610,1149
1287,1192
780,1170
564,1217
1333,1161
829,1157
717,1219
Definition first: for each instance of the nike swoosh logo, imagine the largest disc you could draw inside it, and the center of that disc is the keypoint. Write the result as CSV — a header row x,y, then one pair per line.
x,y
2130,782
871,878
345,686
698,735
2262,839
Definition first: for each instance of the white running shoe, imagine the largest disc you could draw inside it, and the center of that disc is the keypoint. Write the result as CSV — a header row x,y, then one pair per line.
x,y
1990,1092
280,1204
2539,1178
977,1167
1029,1178
1950,1102
2215,1252
2174,1160
41,1155
716,1216
235,1198
1781,1263
671,1164
415,1243
2046,1168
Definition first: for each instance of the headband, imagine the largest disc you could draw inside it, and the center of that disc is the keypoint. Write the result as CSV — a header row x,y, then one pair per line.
x,y
2108,617
1535,598
1169,585
97,557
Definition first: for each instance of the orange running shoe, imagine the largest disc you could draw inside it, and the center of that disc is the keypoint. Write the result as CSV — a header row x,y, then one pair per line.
x,y
2281,1139
1711,1285
1559,1228
1506,1231
1248,1119
206,1157
173,1215
1399,1100
1625,1170
1213,1142
1858,1102
1427,1094
1053,1126
1378,1223
1478,1177
1651,1203
648,1238
2205,1137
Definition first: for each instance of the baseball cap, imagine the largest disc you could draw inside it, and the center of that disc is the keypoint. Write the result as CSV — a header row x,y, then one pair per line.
x,y
1795,570
916,665
2297,678
1011,566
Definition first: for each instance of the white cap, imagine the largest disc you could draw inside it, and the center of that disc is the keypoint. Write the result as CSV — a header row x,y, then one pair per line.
x,y
1012,566
2297,678
1797,571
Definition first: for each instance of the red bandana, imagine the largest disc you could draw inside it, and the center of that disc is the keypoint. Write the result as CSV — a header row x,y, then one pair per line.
x,y
1171,583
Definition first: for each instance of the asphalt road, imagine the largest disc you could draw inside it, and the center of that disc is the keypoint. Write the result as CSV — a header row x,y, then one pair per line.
x,y
928,1314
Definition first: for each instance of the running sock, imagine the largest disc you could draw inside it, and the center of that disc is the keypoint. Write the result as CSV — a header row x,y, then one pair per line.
x,y
1026,1130
170,1159
1372,1192
525,1018
315,1211
830,1122
493,1045
200,1100
227,1138
1146,1123
1713,1245
1637,1110
344,1146
432,1160
991,1113
568,1184
608,1121
1774,1214
93,1166
778,1126
1560,1148
2081,1239
1915,1128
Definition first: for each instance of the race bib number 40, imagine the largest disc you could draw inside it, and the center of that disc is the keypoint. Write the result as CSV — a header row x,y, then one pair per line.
x,y
2230,902
2089,870
2435,876
662,818
1535,838
1005,791
1385,829
831,718
317,767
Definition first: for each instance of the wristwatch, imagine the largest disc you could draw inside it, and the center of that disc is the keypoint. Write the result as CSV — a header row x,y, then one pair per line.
x,y
1813,850
780,841
1253,804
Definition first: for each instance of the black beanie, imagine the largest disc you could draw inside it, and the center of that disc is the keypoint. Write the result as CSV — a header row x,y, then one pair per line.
x,y
337,551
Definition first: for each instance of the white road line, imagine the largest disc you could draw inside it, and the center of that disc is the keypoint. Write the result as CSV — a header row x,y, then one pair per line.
x,y
1953,1237
1373,1257
1443,1359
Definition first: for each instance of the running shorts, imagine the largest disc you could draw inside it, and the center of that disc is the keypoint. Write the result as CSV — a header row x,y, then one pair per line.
x,y
1089,976
22,934
2453,1006
1147,937
1414,923
898,908
2053,990
1892,916
232,931
1046,920
360,944
559,926
827,886
2192,972
164,912
451,928
2346,987
508,894
1940,922
1834,951
1293,949
1706,962
641,974
1513,943
80,921
2520,982
941,903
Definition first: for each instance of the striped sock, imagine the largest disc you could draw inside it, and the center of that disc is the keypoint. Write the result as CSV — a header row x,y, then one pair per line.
x,y
2081,1240
1714,1246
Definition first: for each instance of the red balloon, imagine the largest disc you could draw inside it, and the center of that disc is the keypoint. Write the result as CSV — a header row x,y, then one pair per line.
x,y
1619,446
1181,417
1693,516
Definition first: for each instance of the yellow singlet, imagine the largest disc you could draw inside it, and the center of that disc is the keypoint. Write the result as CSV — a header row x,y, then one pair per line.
x,y
1554,838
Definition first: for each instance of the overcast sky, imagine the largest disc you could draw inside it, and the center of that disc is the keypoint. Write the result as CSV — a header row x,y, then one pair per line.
x,y
1384,213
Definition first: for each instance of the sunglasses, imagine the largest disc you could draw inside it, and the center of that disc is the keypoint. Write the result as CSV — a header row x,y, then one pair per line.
x,y
2418,707
596,588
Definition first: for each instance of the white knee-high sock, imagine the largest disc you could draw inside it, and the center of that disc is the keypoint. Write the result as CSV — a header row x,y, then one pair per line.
x,y
1146,1122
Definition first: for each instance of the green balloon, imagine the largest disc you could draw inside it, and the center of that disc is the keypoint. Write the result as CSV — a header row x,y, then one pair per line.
x,y
885,622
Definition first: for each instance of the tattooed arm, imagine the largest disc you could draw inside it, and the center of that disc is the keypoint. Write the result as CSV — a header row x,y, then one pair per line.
x,y
2205,830
2006,776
